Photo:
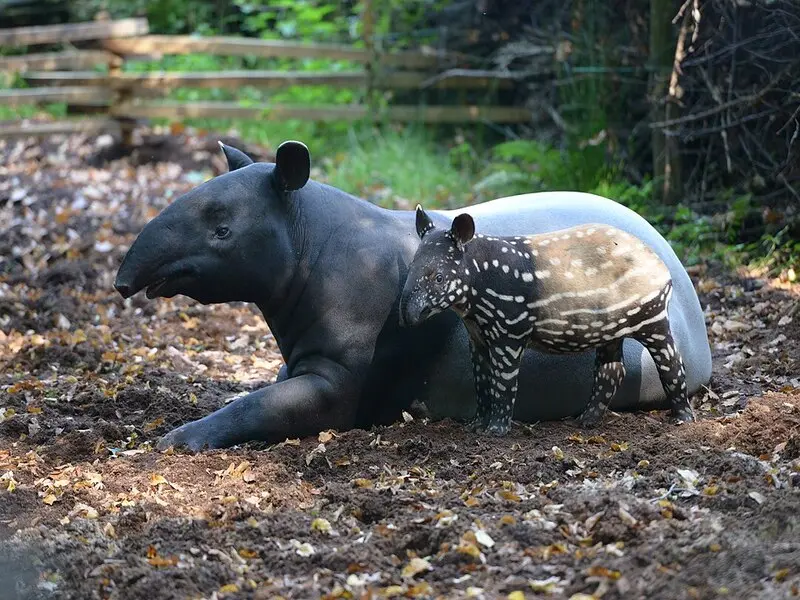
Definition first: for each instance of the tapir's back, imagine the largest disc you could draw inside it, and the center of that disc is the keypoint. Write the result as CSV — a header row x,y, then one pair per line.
x,y
592,270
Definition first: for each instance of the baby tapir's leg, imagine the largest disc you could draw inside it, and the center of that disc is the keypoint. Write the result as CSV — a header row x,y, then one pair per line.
x,y
609,371
482,374
505,358
657,338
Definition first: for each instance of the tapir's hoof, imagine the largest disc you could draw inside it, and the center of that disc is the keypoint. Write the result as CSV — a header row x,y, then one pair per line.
x,y
475,425
188,436
497,429
682,415
591,417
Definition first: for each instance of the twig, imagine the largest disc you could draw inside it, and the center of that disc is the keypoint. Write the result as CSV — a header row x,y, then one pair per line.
x,y
553,113
477,73
672,488
696,134
789,120
681,11
704,114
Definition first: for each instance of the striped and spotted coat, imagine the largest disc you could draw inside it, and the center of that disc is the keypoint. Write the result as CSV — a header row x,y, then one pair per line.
x,y
572,290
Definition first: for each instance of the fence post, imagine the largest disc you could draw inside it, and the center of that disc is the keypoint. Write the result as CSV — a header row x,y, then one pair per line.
x,y
118,96
368,29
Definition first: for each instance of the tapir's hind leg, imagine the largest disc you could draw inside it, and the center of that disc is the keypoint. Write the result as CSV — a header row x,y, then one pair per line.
x,y
609,371
657,338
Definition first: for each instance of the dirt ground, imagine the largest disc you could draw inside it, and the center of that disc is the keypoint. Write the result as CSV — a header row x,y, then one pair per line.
x,y
635,509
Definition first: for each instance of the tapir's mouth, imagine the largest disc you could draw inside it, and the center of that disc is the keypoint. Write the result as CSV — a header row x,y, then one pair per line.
x,y
166,287
153,289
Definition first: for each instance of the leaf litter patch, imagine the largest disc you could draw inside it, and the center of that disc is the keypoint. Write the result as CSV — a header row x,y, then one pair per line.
x,y
88,382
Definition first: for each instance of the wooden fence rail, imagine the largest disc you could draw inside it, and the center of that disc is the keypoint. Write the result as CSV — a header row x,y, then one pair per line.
x,y
160,45
91,80
72,32
165,81
55,61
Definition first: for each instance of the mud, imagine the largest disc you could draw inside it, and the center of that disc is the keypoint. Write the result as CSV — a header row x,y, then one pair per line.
x,y
637,508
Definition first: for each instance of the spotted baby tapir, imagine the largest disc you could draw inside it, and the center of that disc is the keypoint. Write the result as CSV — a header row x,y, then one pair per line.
x,y
586,287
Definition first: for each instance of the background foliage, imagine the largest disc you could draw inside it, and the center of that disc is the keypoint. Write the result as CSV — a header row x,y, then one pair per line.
x,y
585,70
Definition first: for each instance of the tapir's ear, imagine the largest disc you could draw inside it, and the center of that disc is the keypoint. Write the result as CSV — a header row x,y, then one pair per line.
x,y
462,229
236,158
292,165
424,223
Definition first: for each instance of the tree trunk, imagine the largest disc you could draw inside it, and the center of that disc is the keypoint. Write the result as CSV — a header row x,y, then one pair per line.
x,y
666,157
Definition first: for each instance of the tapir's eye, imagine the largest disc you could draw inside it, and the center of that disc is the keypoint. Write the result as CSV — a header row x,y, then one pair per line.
x,y
222,232
439,278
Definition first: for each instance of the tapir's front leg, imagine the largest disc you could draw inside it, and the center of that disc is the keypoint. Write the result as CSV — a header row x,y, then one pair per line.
x,y
294,407
505,359
482,376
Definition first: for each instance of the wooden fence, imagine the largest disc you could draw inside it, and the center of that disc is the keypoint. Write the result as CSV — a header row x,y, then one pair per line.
x,y
92,81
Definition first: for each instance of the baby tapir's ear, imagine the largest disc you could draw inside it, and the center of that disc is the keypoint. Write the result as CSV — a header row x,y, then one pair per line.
x,y
292,165
235,157
424,223
462,229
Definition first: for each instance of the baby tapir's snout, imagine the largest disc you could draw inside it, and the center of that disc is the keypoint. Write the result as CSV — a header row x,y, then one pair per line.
x,y
412,306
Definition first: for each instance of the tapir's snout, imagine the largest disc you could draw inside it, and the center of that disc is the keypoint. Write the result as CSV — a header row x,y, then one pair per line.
x,y
152,259
124,288
412,310
125,282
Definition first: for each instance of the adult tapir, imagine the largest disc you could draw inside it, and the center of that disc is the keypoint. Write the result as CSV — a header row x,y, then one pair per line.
x,y
326,270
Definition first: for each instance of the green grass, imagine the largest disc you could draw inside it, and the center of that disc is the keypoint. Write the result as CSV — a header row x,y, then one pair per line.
x,y
401,163
29,111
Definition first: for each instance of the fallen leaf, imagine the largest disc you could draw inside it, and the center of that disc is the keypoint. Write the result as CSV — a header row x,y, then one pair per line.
x,y
550,586
305,549
156,480
230,588
510,496
81,509
731,325
321,525
445,518
416,566
392,591
627,517
781,575
484,539
468,548
598,571
153,424
318,451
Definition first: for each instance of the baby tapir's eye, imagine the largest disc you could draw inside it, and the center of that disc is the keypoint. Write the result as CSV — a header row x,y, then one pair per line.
x,y
439,278
222,232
